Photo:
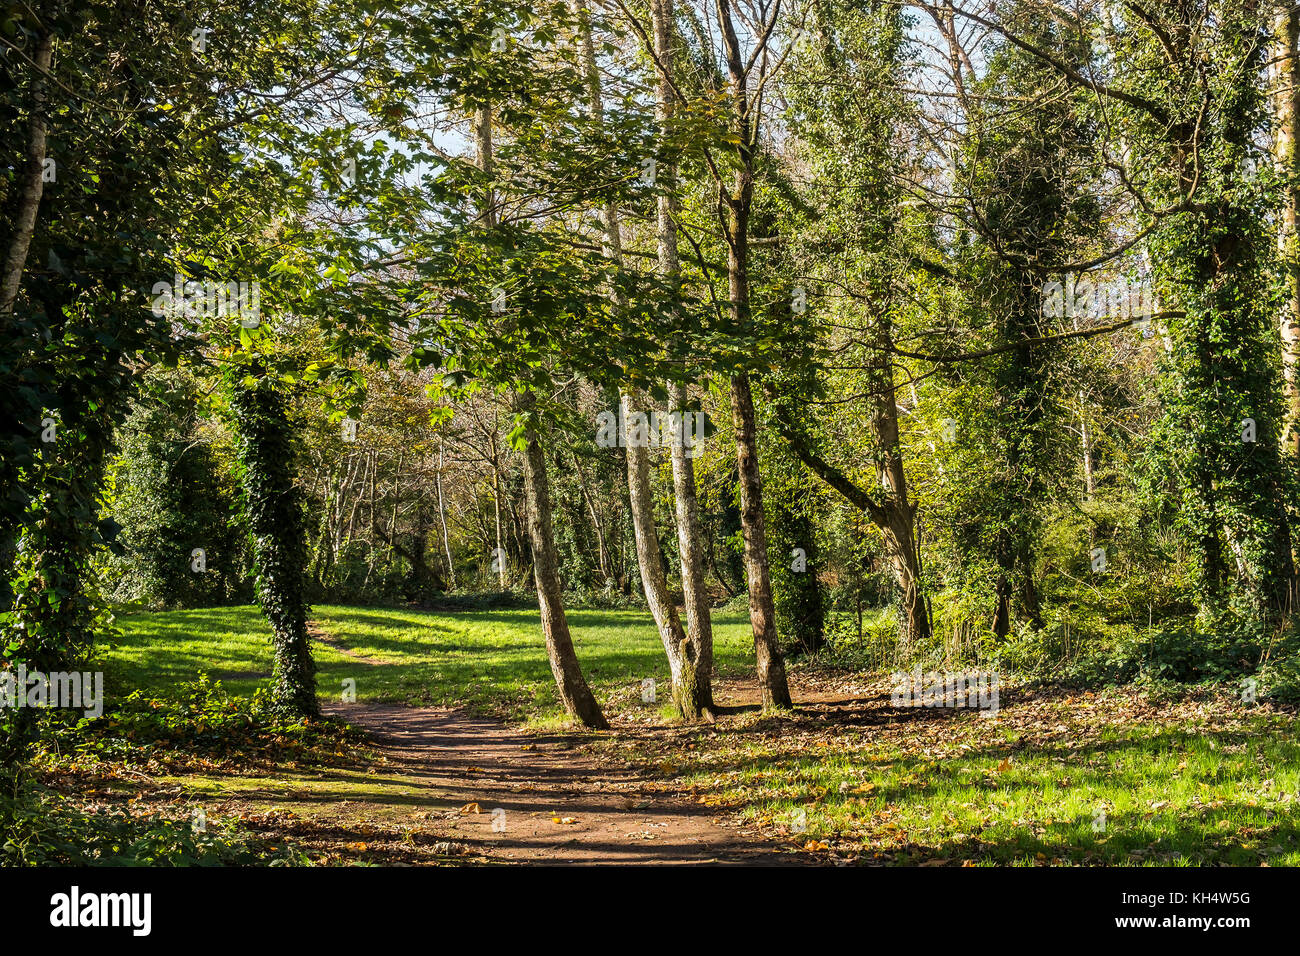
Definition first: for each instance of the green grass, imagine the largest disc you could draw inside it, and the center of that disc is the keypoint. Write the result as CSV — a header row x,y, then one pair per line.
x,y
1198,778
492,661
1073,779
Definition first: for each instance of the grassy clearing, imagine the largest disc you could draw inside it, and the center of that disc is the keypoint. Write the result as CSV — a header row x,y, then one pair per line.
x,y
1118,777
1056,778
491,661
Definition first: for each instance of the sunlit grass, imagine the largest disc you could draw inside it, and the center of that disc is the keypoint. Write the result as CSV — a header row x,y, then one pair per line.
x,y
1072,779
1155,792
493,661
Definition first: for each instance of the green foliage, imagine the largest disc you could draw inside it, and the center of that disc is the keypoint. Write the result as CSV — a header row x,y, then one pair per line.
x,y
196,722
173,493
1279,680
43,828
796,557
1215,261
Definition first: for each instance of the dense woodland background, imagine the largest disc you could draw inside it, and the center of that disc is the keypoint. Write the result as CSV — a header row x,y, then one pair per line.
x,y
836,227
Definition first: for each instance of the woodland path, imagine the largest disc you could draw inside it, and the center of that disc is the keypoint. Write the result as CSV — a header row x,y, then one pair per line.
x,y
557,802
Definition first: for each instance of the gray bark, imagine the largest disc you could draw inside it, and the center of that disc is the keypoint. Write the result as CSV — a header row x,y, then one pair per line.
x,y
31,184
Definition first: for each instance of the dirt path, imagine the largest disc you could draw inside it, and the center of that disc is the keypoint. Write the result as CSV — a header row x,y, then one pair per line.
x,y
543,798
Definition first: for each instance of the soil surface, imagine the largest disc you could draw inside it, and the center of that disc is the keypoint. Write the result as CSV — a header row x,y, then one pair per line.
x,y
501,794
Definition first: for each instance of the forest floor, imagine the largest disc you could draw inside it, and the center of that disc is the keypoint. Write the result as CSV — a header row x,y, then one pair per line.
x,y
440,785
450,768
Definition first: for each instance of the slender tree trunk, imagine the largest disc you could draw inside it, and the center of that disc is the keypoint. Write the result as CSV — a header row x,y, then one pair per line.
x,y
374,499
442,521
483,148
1287,104
682,657
697,650
500,555
598,526
575,695
365,478
734,207
397,498
1002,607
762,608
31,182
1085,438
695,691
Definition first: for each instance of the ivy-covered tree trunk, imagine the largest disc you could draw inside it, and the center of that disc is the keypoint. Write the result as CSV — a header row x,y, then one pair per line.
x,y
1224,416
800,611
1223,384
1030,210
54,612
273,516
51,624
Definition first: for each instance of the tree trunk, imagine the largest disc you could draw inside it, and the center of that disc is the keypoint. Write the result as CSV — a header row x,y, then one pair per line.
x,y
598,526
483,148
1287,104
29,197
575,695
762,610
734,207
442,522
1002,607
697,651
895,517
899,527
682,656
274,517
1085,438
694,695
500,555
